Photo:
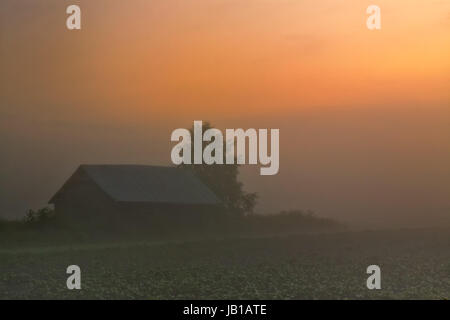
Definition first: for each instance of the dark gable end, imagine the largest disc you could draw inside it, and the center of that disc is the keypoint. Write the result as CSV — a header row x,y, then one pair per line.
x,y
145,184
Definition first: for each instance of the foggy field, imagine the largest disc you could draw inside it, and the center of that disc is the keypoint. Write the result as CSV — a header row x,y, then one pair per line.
x,y
415,264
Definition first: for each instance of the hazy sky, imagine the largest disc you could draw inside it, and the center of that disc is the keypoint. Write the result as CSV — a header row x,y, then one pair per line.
x,y
364,116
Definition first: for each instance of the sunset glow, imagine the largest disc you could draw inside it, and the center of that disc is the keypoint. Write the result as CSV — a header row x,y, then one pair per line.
x,y
255,56
115,90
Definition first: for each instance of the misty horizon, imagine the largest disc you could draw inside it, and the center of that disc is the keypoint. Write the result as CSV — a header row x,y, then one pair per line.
x,y
397,180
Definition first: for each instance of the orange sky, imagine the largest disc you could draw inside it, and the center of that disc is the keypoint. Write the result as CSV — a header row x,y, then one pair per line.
x,y
364,116
146,57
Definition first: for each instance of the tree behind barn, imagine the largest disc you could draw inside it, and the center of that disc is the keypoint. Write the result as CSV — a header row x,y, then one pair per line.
x,y
222,179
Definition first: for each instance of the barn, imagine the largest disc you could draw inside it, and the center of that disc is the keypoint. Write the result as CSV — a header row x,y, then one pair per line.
x,y
114,195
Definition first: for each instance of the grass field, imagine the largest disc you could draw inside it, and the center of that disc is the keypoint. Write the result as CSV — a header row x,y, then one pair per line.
x,y
415,264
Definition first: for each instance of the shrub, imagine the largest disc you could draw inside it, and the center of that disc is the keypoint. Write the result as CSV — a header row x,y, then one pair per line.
x,y
39,216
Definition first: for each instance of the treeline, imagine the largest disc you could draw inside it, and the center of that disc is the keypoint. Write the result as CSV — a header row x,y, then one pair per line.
x,y
44,226
292,221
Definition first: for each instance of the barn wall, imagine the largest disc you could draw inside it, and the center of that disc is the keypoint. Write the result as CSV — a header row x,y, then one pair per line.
x,y
169,217
81,201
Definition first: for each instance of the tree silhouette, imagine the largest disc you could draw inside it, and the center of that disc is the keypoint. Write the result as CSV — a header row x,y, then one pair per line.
x,y
222,179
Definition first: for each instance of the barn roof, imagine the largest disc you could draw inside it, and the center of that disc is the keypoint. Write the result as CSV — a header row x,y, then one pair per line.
x,y
141,183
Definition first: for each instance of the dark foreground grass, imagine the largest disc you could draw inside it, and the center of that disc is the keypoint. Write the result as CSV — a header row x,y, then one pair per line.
x,y
415,264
